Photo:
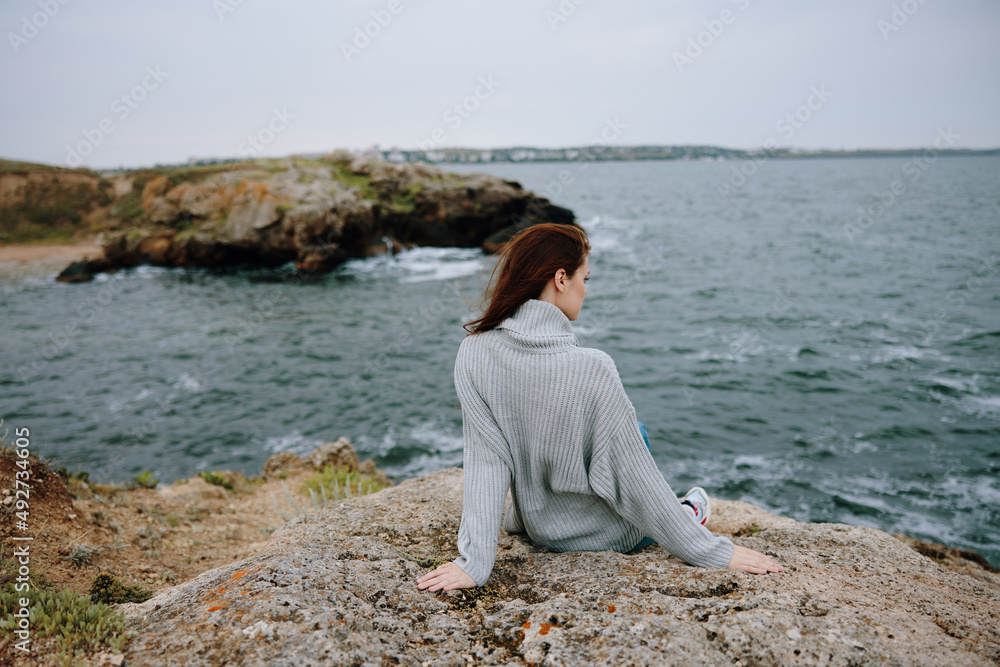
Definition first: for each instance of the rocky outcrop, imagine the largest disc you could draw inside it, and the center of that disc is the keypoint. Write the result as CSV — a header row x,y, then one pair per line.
x,y
316,213
337,587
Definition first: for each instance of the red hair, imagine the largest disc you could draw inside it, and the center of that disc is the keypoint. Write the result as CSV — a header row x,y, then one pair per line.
x,y
528,261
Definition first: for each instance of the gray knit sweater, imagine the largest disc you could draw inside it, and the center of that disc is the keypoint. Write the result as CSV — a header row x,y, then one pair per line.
x,y
550,421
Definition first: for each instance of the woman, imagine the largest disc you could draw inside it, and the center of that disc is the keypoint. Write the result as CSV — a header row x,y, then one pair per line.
x,y
550,421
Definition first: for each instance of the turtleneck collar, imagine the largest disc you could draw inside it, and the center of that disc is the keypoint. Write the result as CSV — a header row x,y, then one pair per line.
x,y
540,325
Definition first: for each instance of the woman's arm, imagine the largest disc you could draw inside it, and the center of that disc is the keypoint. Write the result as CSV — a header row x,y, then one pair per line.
x,y
487,480
624,474
487,470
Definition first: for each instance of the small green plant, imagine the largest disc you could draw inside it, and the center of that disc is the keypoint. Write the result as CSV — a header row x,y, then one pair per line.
x,y
333,483
748,531
145,480
81,476
149,532
78,625
117,544
197,513
327,485
216,479
107,589
81,554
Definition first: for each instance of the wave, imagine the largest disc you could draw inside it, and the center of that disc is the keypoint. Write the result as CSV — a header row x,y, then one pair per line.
x,y
292,442
980,336
419,265
904,352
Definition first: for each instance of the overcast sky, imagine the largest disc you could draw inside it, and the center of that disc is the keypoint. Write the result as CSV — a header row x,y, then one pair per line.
x,y
118,83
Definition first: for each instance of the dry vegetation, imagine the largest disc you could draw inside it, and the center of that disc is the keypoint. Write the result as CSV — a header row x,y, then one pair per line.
x,y
147,539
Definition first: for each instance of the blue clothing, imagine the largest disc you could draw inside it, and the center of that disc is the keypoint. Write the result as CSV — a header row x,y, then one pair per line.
x,y
646,541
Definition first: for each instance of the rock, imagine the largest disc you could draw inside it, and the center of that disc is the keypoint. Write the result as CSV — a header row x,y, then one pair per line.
x,y
338,587
370,468
315,213
83,270
283,462
338,454
195,492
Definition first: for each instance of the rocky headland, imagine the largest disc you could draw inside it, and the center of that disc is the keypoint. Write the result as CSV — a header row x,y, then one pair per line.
x,y
316,213
263,572
338,587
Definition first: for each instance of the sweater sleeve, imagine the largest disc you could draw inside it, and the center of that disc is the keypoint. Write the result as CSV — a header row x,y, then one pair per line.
x,y
625,475
487,479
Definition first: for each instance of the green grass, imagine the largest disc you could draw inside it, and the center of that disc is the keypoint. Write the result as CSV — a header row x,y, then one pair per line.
x,y
748,531
19,166
333,483
341,172
217,480
129,208
145,480
406,201
50,210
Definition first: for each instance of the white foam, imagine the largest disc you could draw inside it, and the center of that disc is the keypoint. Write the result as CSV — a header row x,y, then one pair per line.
x,y
898,352
441,441
293,442
187,383
970,385
984,406
420,265
146,271
751,460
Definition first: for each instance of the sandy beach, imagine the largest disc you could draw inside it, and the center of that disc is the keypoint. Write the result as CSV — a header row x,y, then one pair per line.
x,y
27,253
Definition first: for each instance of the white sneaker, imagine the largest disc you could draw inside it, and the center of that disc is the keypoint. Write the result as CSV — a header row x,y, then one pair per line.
x,y
698,501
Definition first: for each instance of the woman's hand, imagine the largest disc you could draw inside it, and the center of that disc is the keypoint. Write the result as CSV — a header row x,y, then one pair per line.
x,y
752,561
445,577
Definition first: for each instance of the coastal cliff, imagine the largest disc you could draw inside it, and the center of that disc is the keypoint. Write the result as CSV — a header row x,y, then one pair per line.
x,y
316,213
338,587
267,571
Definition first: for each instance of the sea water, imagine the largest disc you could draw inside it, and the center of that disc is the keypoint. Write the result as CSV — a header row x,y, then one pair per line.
x,y
819,337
